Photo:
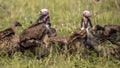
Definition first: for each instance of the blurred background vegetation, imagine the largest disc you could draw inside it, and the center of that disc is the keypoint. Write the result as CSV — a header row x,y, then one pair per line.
x,y
65,17
63,13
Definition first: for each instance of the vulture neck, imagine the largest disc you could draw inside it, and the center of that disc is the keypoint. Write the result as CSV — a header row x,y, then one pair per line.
x,y
86,19
13,27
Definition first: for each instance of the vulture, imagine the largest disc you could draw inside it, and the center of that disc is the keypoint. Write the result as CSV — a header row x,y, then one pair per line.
x,y
64,43
37,31
69,43
111,29
76,41
33,32
61,41
112,33
32,38
9,39
107,33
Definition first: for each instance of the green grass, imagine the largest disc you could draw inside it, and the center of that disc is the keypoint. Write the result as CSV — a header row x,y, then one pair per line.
x,y
65,17
20,61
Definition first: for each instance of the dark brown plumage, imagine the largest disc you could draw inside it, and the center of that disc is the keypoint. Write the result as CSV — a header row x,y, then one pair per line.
x,y
59,44
33,37
61,40
77,40
69,42
112,33
108,33
97,28
35,31
8,39
108,30
111,29
9,31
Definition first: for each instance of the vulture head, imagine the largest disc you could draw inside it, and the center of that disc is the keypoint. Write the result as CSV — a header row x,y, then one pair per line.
x,y
15,24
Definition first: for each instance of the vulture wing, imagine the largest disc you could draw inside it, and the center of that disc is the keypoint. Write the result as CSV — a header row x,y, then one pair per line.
x,y
6,33
35,31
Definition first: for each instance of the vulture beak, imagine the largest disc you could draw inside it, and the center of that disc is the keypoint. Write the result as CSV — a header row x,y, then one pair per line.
x,y
18,24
